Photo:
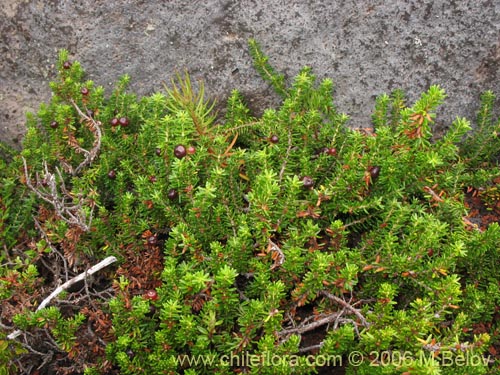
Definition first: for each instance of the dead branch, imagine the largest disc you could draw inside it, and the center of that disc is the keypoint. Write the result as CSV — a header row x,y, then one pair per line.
x,y
435,196
336,318
52,248
311,326
53,191
277,255
102,264
311,348
95,127
347,306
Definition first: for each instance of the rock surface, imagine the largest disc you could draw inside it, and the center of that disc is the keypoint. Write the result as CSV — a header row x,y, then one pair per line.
x,y
366,47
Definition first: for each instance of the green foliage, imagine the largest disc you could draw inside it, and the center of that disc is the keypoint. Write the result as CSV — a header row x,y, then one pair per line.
x,y
63,329
8,352
13,222
483,146
266,70
262,230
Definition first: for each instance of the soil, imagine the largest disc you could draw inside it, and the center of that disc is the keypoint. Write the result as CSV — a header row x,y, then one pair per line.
x,y
367,48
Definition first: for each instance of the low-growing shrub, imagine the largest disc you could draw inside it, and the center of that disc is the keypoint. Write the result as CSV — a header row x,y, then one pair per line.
x,y
285,243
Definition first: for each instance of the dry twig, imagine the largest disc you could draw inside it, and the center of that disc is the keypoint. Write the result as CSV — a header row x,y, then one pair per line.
x,y
319,321
95,127
60,198
277,255
311,326
104,263
347,306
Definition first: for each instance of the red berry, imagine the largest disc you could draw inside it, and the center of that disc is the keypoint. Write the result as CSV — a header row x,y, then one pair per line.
x,y
158,151
274,139
191,150
112,174
54,124
151,294
172,194
85,91
180,151
152,179
67,65
307,182
123,121
114,121
332,151
374,173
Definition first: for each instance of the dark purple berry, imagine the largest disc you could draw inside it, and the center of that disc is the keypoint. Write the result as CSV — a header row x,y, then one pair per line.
x,y
332,151
85,91
123,121
152,311
130,354
374,173
172,194
152,179
114,121
180,151
158,151
274,139
152,240
307,182
67,65
112,174
54,124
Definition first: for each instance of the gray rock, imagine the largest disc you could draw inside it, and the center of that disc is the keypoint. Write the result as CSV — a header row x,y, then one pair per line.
x,y
366,47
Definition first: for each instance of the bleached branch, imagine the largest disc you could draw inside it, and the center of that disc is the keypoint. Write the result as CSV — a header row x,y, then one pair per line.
x,y
347,306
102,264
56,194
